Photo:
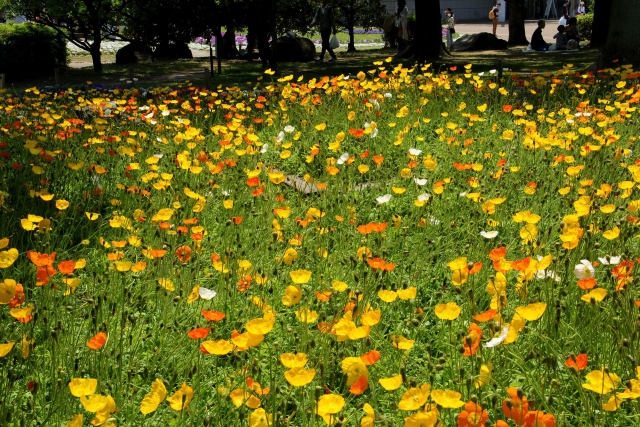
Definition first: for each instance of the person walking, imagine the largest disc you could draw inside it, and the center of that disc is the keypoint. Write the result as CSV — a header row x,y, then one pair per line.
x,y
494,14
402,22
450,25
324,18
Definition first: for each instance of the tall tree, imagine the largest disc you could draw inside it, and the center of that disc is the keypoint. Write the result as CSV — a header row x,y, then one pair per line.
x,y
623,36
427,41
85,23
516,9
601,18
363,13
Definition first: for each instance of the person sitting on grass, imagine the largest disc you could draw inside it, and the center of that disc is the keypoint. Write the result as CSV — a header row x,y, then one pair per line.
x,y
537,42
561,38
573,35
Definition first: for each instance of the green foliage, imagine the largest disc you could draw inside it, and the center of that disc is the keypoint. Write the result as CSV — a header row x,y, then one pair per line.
x,y
585,25
30,50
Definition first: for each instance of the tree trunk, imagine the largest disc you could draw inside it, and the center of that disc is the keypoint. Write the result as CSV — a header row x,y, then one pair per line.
x,y
96,56
601,17
623,37
352,41
427,39
517,34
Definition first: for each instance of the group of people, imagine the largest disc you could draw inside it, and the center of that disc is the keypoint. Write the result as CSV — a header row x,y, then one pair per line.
x,y
325,20
567,37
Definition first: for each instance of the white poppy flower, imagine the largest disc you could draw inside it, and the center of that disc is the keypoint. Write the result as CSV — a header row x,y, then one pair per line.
x,y
280,137
584,270
289,128
499,339
420,181
264,148
374,132
424,197
383,199
388,95
343,158
610,260
489,234
415,151
206,293
166,112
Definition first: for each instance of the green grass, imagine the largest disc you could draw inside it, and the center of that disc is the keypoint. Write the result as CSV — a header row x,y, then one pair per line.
x,y
410,164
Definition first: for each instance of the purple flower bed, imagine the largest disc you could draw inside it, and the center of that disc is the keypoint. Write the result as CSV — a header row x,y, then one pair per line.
x,y
240,39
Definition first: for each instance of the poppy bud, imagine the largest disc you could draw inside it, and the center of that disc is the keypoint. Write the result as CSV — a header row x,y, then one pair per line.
x,y
519,393
439,367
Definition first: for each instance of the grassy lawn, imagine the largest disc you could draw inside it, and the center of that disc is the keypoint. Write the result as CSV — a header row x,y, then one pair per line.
x,y
357,243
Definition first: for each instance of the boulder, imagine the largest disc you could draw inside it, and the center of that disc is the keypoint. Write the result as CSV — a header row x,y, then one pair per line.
x,y
133,53
294,49
173,51
480,41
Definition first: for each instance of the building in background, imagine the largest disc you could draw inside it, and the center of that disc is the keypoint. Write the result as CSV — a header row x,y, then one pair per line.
x,y
464,10
478,10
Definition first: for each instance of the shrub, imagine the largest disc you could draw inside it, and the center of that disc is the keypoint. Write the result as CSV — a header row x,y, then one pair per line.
x,y
28,50
585,23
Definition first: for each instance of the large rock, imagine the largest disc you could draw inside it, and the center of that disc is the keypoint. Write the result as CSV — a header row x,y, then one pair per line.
x,y
294,49
133,53
480,41
173,51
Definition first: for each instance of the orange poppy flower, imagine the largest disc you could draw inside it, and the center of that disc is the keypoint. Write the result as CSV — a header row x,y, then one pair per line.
x,y
521,264
476,268
359,386
66,267
587,283
378,160
184,253
97,341
516,406
214,316
507,108
472,416
43,274
485,316
371,227
198,333
253,182
182,229
236,219
40,259
323,296
371,357
190,221
472,340
498,253
579,363
539,419
257,192
380,264
244,283
18,298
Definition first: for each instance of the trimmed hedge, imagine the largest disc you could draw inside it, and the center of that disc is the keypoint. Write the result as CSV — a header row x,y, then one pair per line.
x,y
585,25
29,50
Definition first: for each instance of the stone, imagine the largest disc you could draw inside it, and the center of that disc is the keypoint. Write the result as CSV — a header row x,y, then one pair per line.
x,y
133,53
173,51
294,49
480,41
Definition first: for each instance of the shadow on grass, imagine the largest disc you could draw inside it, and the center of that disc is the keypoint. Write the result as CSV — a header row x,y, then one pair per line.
x,y
245,73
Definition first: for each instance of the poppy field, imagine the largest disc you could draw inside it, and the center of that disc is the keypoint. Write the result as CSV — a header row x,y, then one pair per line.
x,y
404,246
